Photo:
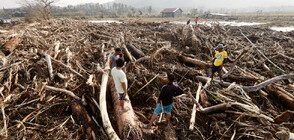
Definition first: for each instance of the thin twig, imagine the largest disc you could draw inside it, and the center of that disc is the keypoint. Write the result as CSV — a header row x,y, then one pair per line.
x,y
4,119
60,124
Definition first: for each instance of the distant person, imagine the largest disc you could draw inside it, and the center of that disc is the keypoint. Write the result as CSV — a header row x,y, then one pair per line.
x,y
188,22
114,57
120,81
220,58
196,20
165,104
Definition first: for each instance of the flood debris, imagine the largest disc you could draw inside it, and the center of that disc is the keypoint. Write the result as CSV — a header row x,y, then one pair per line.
x,y
55,81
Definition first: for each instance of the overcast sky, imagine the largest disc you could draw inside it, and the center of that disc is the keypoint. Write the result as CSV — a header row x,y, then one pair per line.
x,y
193,3
15,3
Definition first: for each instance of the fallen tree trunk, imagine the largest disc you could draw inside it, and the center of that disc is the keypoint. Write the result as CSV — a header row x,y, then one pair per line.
x,y
267,82
196,62
103,108
127,122
284,98
125,49
135,52
145,58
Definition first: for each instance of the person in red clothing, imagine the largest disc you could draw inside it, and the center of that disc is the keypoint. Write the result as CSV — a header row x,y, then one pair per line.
x,y
165,104
196,20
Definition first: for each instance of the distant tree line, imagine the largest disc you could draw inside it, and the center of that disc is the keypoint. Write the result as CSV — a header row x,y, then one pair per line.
x,y
97,10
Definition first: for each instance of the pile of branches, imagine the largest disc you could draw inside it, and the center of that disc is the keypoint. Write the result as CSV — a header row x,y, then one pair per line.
x,y
51,77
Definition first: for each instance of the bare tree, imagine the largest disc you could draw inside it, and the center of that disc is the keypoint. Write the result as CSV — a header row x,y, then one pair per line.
x,y
38,9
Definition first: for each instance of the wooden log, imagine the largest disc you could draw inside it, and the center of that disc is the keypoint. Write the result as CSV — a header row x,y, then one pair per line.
x,y
103,107
283,117
160,50
125,49
196,62
284,98
135,52
267,82
284,91
218,107
127,122
193,115
145,58
11,45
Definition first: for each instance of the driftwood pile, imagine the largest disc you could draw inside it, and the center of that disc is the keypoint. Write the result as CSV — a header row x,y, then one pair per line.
x,y
54,81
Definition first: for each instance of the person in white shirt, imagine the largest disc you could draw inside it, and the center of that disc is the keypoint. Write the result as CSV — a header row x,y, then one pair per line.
x,y
120,81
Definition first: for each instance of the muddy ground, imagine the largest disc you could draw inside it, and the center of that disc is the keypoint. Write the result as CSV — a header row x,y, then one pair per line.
x,y
79,49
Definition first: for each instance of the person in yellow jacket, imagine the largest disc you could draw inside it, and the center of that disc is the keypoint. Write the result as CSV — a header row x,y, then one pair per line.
x,y
220,58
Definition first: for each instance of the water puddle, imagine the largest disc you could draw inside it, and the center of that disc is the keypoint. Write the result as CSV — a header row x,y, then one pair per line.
x,y
104,21
230,23
283,29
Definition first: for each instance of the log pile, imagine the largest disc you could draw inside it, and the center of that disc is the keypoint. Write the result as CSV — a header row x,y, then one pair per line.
x,y
54,73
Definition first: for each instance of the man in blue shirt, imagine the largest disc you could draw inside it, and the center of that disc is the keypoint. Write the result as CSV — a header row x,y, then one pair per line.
x,y
114,57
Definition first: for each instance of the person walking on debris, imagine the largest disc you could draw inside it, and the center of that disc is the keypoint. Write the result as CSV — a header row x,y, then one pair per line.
x,y
120,81
165,104
196,20
220,58
188,22
114,57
